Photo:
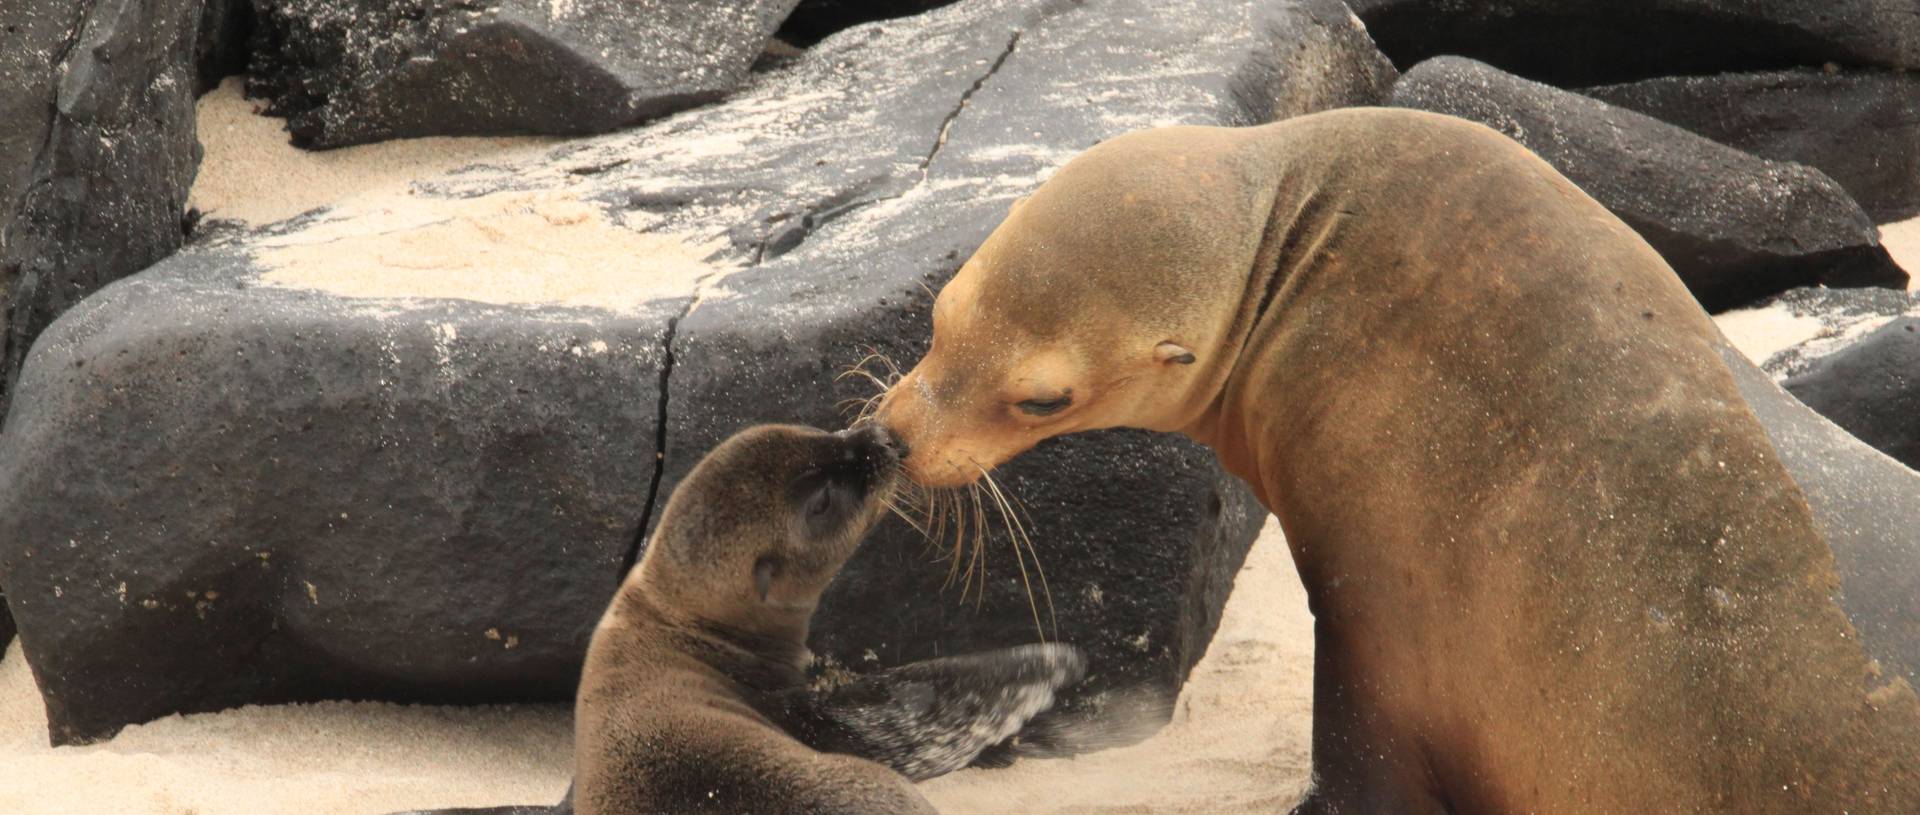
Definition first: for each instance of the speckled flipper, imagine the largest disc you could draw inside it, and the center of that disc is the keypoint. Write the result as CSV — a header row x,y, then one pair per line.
x,y
930,718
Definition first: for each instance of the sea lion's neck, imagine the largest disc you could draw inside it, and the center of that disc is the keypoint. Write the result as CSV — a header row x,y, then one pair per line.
x,y
764,658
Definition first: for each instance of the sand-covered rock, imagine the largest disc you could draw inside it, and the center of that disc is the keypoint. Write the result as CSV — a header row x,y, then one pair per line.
x,y
401,447
97,152
355,71
1872,389
1734,226
1861,127
1590,42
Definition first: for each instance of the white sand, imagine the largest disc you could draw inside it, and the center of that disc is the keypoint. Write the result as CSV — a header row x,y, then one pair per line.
x,y
252,173
520,248
1238,743
1903,242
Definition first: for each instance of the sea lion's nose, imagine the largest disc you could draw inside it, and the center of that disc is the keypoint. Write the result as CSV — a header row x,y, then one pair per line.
x,y
893,442
871,440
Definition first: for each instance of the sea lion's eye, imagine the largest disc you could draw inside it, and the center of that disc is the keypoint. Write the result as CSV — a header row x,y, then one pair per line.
x,y
821,501
1045,407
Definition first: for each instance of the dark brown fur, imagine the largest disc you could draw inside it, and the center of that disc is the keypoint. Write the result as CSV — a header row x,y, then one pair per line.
x,y
1554,563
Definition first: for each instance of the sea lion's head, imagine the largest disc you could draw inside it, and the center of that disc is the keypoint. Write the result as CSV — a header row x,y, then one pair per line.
x,y
751,538
1103,300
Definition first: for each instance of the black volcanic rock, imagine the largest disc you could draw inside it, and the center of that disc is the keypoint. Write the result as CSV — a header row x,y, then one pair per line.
x,y
1861,127
1735,227
354,71
1591,42
97,153
1872,389
344,455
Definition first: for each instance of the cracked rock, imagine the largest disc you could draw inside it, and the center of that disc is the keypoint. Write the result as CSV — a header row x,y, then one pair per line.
x,y
1592,42
326,457
97,153
355,71
1734,226
1861,127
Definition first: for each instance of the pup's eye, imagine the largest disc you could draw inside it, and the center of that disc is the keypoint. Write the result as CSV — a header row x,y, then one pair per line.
x,y
821,501
1045,407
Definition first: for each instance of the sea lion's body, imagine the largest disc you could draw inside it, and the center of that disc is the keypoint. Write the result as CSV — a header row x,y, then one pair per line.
x,y
681,689
694,697
1554,563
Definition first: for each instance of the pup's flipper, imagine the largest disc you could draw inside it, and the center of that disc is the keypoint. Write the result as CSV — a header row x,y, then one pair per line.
x,y
930,718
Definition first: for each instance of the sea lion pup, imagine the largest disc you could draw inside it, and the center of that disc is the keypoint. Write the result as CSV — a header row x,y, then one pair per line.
x,y
694,696
1554,563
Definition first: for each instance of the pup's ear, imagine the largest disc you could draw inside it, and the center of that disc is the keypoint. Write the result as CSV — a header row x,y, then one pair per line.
x,y
763,571
1172,352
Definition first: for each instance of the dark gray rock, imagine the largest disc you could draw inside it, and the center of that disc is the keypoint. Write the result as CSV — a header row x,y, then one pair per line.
x,y
97,153
812,20
1861,127
1872,389
219,492
1867,507
431,499
354,71
220,50
1735,227
1591,42
6,624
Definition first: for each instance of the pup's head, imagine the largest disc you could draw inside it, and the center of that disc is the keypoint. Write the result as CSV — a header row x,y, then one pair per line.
x,y
751,538
1103,300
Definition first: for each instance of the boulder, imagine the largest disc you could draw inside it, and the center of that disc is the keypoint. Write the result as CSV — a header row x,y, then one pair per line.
x,y
1866,505
402,448
1872,389
1735,227
355,71
97,153
1592,42
1861,127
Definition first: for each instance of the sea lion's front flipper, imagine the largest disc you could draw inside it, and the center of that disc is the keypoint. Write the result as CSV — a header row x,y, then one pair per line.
x,y
927,719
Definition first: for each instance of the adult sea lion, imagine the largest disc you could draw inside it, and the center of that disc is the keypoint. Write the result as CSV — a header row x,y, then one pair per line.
x,y
694,696
1554,563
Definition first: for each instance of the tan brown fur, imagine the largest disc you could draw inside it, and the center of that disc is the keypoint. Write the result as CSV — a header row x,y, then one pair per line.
x,y
1554,562
676,711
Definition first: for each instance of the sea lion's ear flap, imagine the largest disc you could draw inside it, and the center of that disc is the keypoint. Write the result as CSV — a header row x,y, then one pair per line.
x,y
1173,352
763,570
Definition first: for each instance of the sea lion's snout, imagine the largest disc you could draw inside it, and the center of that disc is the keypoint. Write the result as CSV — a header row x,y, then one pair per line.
x,y
868,455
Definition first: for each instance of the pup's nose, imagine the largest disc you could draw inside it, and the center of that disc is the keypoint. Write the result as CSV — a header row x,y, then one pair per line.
x,y
893,441
874,438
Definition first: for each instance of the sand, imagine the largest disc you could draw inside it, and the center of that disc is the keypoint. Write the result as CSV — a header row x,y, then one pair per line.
x,y
1903,242
252,173
1238,743
509,248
